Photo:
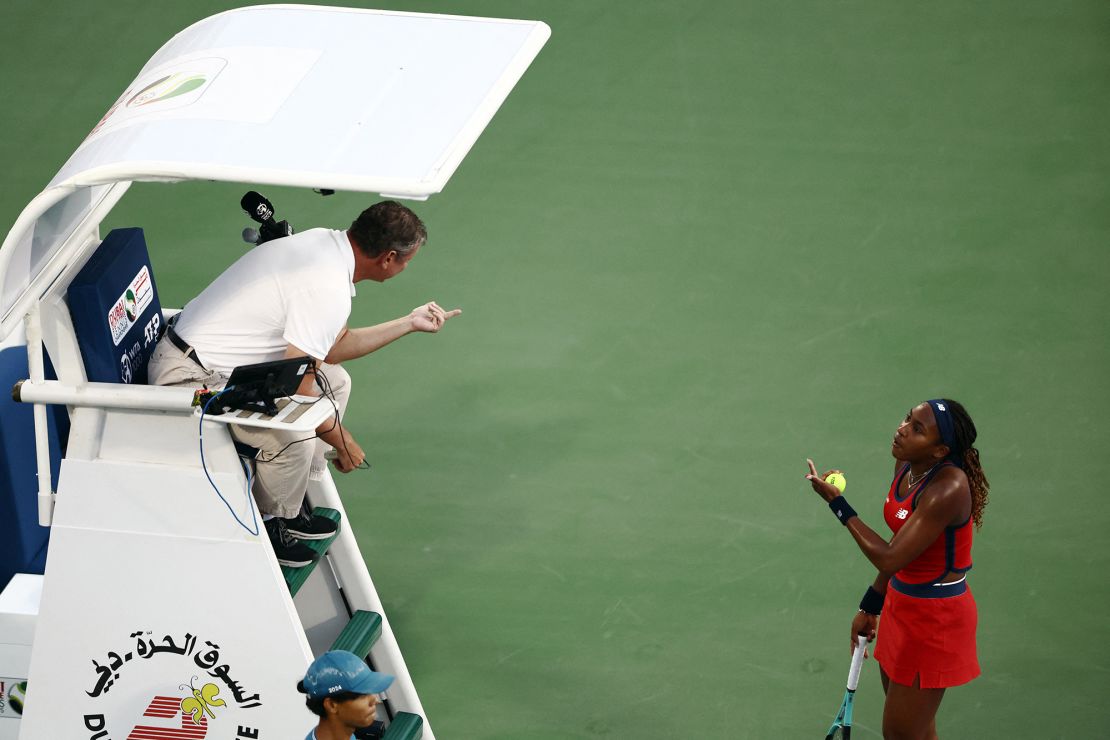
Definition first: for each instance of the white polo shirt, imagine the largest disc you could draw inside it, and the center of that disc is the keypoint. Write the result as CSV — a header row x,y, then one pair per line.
x,y
295,290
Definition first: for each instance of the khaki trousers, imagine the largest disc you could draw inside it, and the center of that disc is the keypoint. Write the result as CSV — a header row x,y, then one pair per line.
x,y
286,460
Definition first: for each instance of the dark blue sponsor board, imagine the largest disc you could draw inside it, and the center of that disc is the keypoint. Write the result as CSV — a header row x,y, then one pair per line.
x,y
116,313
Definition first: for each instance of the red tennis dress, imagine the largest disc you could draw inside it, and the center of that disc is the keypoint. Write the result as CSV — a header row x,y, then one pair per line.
x,y
927,629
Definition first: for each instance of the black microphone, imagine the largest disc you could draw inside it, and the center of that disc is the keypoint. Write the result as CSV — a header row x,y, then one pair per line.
x,y
261,211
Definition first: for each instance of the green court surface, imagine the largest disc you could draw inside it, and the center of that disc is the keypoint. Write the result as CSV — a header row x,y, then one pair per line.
x,y
700,242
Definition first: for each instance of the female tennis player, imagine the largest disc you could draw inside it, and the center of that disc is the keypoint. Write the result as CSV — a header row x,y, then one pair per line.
x,y
927,640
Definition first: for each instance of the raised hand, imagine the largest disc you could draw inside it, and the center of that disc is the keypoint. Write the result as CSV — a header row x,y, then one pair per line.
x,y
823,489
431,317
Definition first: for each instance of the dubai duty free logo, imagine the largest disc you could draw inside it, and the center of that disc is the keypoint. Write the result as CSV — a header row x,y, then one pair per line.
x,y
183,689
173,86
13,697
167,87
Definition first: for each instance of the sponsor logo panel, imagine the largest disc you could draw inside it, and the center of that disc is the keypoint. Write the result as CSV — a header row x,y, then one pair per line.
x,y
13,697
187,685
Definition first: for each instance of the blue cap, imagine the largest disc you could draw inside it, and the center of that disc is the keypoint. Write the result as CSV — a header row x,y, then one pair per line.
x,y
338,671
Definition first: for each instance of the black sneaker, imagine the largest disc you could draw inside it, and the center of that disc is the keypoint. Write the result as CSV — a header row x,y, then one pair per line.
x,y
287,549
310,527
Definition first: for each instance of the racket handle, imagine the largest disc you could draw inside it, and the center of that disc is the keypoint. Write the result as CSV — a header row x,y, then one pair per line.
x,y
857,662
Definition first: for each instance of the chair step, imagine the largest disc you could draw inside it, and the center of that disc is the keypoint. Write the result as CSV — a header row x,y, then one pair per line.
x,y
296,577
360,634
405,726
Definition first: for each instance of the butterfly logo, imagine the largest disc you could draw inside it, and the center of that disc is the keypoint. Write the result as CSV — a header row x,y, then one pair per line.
x,y
202,700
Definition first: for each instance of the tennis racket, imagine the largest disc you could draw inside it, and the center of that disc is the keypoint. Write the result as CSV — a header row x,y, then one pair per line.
x,y
842,725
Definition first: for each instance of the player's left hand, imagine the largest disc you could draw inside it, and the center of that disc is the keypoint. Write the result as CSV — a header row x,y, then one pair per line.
x,y
863,624
823,488
431,317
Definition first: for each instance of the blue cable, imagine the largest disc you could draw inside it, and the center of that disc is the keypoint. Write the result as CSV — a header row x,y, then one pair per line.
x,y
250,498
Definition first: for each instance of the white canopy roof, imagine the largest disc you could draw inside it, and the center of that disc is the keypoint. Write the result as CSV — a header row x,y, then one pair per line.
x,y
355,100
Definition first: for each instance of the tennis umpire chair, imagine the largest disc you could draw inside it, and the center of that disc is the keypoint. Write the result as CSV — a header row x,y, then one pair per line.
x,y
118,319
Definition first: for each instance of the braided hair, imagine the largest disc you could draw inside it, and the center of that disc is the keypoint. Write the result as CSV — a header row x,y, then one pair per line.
x,y
965,440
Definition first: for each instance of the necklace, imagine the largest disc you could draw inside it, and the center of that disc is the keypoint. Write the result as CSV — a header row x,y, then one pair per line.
x,y
914,480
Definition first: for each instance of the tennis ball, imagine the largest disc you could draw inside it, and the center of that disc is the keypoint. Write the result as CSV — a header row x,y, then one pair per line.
x,y
837,479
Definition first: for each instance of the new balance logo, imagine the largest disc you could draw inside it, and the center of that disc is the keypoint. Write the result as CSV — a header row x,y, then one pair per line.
x,y
902,513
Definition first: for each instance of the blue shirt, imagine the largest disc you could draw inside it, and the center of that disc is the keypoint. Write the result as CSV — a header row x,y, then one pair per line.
x,y
312,735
